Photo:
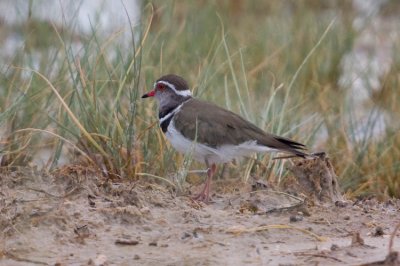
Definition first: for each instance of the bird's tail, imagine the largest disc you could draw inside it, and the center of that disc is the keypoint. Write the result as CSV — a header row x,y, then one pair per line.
x,y
295,148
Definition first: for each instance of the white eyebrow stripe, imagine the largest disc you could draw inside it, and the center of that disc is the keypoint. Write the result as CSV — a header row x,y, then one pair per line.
x,y
172,87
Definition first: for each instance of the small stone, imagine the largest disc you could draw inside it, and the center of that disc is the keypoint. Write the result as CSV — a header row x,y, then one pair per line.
x,y
136,257
305,212
340,204
186,235
346,217
100,260
82,231
296,218
153,244
126,242
334,247
92,203
259,185
348,253
147,228
389,203
378,231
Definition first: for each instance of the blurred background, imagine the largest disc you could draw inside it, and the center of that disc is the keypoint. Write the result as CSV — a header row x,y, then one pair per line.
x,y
325,73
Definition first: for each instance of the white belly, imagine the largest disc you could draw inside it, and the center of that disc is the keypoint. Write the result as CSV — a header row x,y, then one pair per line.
x,y
200,152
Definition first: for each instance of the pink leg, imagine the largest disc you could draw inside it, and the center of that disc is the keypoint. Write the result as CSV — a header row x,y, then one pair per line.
x,y
204,195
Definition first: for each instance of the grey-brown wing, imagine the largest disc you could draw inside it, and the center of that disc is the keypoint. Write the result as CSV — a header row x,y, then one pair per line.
x,y
217,126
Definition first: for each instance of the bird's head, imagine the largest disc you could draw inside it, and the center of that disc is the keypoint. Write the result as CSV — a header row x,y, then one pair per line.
x,y
169,88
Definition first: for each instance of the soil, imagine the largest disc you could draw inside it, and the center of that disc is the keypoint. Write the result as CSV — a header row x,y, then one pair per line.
x,y
83,219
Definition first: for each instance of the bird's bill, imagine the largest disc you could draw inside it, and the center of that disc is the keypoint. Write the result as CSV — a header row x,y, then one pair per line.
x,y
149,94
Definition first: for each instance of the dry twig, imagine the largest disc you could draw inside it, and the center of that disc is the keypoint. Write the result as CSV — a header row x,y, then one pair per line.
x,y
239,229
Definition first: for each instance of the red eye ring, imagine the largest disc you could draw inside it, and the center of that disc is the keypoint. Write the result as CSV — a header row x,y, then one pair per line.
x,y
160,86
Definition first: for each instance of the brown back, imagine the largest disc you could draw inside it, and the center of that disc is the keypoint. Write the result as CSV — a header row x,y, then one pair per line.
x,y
217,126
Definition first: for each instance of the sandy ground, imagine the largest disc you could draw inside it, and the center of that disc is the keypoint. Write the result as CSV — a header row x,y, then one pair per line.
x,y
81,219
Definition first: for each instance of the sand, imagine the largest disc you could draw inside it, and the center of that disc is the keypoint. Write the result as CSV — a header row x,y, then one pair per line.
x,y
80,218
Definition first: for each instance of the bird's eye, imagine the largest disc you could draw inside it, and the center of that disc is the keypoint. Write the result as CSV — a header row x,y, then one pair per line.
x,y
160,86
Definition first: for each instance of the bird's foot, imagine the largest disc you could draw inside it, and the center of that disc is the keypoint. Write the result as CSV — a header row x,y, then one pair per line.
x,y
201,197
204,195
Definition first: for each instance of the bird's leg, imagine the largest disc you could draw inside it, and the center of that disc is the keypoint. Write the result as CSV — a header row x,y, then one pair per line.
x,y
204,195
210,173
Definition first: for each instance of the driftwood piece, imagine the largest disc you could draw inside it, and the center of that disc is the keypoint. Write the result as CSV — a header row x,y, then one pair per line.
x,y
392,259
317,179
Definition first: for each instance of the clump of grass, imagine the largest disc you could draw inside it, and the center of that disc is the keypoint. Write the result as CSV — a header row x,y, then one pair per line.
x,y
275,63
87,100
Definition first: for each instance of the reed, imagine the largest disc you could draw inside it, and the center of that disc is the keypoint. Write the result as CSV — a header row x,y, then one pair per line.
x,y
276,63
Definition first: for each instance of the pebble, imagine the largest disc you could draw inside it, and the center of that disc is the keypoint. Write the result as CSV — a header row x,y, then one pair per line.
x,y
378,231
153,244
100,260
186,235
340,204
334,247
145,210
147,228
126,242
296,218
346,217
